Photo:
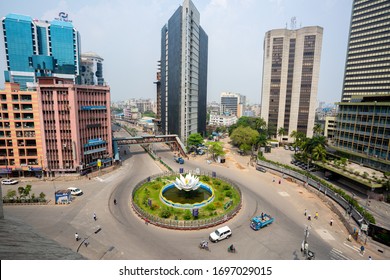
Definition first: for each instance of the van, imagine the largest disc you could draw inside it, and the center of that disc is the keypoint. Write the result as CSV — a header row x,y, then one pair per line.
x,y
220,234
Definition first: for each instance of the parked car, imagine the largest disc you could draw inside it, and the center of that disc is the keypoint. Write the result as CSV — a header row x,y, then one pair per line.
x,y
286,147
292,148
75,191
220,234
9,182
262,169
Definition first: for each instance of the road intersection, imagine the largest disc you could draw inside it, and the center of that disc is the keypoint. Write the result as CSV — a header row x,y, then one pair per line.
x,y
120,234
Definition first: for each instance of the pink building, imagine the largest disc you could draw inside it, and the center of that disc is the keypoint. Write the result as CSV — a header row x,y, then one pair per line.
x,y
76,124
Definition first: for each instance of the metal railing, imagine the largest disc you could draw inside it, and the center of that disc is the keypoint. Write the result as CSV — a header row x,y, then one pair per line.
x,y
320,188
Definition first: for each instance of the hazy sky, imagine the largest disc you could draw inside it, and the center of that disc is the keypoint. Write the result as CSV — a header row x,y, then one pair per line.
x,y
126,33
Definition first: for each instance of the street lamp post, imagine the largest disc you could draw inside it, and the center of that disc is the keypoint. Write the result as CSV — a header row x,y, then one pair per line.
x,y
305,245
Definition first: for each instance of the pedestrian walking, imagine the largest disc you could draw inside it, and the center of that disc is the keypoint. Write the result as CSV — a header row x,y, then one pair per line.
x,y
316,216
362,249
94,216
280,181
308,217
114,201
273,179
76,236
86,243
305,212
331,222
369,258
146,221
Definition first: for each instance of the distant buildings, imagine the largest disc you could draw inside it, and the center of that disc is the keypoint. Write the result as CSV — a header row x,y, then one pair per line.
x,y
91,71
363,119
222,120
184,51
290,78
36,48
232,103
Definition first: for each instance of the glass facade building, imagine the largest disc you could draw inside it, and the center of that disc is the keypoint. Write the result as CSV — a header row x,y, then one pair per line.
x,y
36,48
184,56
363,124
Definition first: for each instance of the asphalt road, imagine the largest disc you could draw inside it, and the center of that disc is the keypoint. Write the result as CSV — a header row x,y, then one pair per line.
x,y
119,234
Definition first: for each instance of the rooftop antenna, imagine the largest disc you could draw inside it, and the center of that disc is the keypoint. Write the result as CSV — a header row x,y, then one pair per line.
x,y
293,23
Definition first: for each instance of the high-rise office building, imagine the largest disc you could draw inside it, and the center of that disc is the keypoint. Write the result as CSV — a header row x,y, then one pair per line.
x,y
76,125
290,78
232,103
184,51
363,119
91,70
36,48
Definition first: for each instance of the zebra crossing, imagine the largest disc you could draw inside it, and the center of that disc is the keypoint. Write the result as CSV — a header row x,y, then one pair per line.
x,y
336,254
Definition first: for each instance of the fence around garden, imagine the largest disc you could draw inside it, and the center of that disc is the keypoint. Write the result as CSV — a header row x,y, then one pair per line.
x,y
181,224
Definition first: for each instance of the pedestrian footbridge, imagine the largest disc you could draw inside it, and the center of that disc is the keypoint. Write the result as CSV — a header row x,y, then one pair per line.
x,y
150,139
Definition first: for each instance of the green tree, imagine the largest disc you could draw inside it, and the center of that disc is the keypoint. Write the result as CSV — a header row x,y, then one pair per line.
x,y
150,114
244,135
317,129
318,153
215,149
281,132
293,135
21,191
262,140
271,130
11,194
311,143
194,139
27,191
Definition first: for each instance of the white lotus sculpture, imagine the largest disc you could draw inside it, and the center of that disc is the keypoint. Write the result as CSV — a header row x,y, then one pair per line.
x,y
189,183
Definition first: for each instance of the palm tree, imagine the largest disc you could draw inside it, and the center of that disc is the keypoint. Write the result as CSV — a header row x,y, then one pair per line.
x,y
317,129
281,132
318,153
293,134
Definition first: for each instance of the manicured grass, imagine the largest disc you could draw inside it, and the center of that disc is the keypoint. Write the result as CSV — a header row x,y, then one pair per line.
x,y
223,191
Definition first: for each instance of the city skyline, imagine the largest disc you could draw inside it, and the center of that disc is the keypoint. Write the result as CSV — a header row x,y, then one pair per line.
x,y
236,32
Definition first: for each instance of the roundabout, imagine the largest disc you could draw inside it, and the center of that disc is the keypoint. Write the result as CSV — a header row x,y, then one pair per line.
x,y
186,202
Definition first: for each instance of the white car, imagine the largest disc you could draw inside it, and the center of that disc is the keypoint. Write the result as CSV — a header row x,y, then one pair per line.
x,y
75,191
220,234
9,182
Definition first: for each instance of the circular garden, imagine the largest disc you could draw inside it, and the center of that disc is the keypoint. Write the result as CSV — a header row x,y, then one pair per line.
x,y
215,201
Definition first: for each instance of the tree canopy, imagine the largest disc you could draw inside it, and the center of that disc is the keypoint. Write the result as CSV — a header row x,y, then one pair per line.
x,y
215,149
194,139
244,135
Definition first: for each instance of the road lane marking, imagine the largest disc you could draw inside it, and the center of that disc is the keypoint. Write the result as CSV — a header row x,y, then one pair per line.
x,y
283,194
352,247
337,255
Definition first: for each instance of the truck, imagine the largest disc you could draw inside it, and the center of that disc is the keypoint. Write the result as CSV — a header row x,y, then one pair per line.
x,y
261,221
179,159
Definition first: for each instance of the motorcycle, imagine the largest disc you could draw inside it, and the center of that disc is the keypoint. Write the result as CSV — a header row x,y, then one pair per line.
x,y
231,249
204,245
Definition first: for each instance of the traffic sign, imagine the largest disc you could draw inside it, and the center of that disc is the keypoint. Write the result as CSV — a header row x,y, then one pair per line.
x,y
364,227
